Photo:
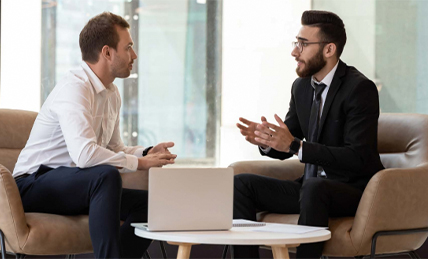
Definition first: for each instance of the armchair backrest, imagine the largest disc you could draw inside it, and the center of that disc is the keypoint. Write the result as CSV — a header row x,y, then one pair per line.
x,y
15,128
403,140
14,132
396,198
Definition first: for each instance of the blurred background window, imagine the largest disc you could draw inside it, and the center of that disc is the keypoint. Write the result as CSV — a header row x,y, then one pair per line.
x,y
167,97
202,64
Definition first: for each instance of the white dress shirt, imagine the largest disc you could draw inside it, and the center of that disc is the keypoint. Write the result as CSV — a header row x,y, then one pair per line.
x,y
78,126
327,81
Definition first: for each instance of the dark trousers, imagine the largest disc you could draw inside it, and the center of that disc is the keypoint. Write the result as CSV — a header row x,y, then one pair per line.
x,y
316,200
97,192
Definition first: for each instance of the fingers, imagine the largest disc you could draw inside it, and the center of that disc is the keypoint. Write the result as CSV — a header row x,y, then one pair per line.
x,y
264,129
156,160
244,133
161,156
263,141
245,121
244,130
263,118
241,127
279,120
167,144
167,156
165,159
165,162
168,161
271,126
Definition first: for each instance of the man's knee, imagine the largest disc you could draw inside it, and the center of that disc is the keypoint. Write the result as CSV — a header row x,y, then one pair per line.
x,y
109,174
313,188
244,181
314,202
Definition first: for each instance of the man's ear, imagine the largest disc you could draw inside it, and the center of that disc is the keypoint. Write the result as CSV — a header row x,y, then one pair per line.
x,y
330,50
106,52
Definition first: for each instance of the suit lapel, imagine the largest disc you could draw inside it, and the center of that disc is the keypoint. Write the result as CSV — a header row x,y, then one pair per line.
x,y
334,87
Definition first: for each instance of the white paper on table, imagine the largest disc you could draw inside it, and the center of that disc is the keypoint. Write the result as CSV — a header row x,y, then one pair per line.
x,y
287,228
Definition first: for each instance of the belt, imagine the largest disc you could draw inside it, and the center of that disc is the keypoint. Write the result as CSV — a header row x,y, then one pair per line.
x,y
21,176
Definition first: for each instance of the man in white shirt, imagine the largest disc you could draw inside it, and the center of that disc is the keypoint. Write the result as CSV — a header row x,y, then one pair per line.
x,y
335,109
71,162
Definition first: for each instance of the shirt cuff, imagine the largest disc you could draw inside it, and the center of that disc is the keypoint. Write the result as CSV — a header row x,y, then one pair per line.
x,y
265,150
139,152
300,155
131,164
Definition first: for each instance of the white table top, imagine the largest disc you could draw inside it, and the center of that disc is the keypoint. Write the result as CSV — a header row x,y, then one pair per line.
x,y
236,236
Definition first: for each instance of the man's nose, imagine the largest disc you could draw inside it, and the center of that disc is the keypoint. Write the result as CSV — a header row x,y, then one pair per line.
x,y
295,52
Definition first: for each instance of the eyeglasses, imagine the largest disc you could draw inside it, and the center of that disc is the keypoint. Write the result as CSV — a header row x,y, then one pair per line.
x,y
301,44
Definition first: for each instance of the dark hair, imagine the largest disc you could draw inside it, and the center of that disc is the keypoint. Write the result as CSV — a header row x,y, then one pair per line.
x,y
98,32
331,27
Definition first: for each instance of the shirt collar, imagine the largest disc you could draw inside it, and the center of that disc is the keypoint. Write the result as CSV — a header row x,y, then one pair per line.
x,y
95,81
328,78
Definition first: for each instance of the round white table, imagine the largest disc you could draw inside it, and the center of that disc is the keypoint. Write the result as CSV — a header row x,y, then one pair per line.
x,y
280,242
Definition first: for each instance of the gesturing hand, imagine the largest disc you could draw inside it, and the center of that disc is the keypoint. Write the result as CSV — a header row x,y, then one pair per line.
x,y
161,148
248,131
277,137
155,160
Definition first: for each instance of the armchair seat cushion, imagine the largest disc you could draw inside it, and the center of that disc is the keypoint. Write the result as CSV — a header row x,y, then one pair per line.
x,y
278,218
58,234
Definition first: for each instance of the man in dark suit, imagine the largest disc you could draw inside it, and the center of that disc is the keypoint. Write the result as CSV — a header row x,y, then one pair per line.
x,y
335,109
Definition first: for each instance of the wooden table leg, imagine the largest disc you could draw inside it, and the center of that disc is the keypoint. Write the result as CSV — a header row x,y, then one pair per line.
x,y
280,252
183,249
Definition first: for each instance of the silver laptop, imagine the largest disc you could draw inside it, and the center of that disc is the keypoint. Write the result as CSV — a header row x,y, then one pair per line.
x,y
186,199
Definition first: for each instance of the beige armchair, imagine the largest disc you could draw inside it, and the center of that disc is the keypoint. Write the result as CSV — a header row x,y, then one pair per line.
x,y
392,216
38,233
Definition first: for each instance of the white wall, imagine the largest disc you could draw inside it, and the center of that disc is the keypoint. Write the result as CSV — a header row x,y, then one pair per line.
x,y
258,69
20,54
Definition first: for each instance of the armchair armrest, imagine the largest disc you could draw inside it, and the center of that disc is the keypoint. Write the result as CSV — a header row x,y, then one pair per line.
x,y
138,180
290,169
394,199
12,218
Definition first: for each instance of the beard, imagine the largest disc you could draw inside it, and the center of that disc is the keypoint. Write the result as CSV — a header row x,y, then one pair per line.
x,y
120,69
312,66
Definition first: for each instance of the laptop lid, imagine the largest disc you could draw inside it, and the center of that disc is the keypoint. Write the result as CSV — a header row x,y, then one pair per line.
x,y
184,199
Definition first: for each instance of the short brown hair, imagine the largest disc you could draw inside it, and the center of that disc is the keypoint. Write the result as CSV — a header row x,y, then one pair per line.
x,y
98,32
331,27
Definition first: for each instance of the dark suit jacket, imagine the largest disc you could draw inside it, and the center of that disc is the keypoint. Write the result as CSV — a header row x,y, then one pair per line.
x,y
347,142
